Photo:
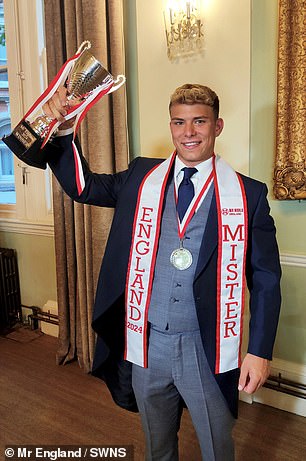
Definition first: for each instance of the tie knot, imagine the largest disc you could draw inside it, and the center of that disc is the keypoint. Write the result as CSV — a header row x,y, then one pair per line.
x,y
188,172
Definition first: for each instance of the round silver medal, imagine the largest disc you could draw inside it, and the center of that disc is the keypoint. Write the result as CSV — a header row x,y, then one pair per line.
x,y
181,259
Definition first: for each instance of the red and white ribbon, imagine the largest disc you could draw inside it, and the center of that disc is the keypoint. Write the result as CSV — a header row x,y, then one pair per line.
x,y
58,80
194,204
80,111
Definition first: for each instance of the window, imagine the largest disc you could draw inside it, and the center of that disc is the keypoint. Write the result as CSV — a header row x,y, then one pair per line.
x,y
7,179
25,192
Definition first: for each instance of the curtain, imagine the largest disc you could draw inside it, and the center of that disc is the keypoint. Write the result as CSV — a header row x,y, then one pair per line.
x,y
81,231
290,168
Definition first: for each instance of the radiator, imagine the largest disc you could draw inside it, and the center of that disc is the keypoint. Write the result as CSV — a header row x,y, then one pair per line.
x,y
10,301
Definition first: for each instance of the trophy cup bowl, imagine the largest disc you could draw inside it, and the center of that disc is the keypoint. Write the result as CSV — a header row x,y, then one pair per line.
x,y
27,138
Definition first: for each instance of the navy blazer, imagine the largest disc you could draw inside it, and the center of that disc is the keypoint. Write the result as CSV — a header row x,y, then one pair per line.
x,y
263,272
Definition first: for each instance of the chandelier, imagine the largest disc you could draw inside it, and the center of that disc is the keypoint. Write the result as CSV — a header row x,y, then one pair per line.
x,y
184,28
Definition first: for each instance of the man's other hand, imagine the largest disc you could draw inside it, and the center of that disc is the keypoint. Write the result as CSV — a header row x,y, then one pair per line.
x,y
254,372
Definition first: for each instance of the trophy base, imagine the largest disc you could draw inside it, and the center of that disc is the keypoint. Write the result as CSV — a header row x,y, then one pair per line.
x,y
26,145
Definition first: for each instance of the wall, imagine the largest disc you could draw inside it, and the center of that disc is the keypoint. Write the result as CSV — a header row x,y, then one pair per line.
x,y
36,265
227,48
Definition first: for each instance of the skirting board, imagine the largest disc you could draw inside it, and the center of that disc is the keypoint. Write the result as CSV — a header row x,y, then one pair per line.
x,y
280,400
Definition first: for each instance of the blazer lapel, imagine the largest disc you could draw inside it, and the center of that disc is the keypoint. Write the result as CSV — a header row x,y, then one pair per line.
x,y
210,238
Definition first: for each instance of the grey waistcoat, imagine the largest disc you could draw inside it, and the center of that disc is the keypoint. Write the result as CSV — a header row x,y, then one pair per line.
x,y
172,307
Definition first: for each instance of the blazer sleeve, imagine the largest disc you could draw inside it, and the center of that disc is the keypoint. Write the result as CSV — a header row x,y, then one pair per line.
x,y
100,189
263,277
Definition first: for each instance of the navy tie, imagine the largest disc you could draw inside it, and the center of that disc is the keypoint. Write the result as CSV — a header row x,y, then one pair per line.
x,y
185,192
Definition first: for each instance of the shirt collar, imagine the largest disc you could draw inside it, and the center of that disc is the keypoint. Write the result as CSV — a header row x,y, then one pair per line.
x,y
204,168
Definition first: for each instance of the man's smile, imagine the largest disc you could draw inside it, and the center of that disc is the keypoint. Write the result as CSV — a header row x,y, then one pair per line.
x,y
191,144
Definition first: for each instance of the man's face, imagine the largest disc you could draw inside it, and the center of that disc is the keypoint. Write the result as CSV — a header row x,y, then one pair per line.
x,y
194,130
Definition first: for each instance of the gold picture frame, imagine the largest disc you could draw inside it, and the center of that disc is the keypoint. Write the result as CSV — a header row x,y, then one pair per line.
x,y
290,162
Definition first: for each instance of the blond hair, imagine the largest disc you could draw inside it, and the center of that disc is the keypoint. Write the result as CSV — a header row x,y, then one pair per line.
x,y
195,94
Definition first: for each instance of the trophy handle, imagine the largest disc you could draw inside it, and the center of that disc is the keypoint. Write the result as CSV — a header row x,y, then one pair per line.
x,y
120,80
86,45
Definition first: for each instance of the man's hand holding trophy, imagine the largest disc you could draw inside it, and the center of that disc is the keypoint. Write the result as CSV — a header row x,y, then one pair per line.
x,y
79,84
56,107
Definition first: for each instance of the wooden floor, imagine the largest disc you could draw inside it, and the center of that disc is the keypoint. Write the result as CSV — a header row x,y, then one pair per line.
x,y
41,403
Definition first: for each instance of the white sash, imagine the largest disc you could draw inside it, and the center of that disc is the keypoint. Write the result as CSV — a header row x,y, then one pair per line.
x,y
232,239
142,260
232,243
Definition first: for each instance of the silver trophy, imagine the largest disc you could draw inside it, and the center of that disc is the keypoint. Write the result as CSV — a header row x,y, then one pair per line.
x,y
28,137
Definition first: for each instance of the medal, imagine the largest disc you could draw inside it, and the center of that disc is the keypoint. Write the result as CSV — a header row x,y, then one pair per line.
x,y
181,259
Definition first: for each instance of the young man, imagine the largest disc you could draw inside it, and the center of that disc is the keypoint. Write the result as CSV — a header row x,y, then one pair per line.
x,y
186,234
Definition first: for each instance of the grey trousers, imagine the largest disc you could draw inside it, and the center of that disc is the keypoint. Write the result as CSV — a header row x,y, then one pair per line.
x,y
177,367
